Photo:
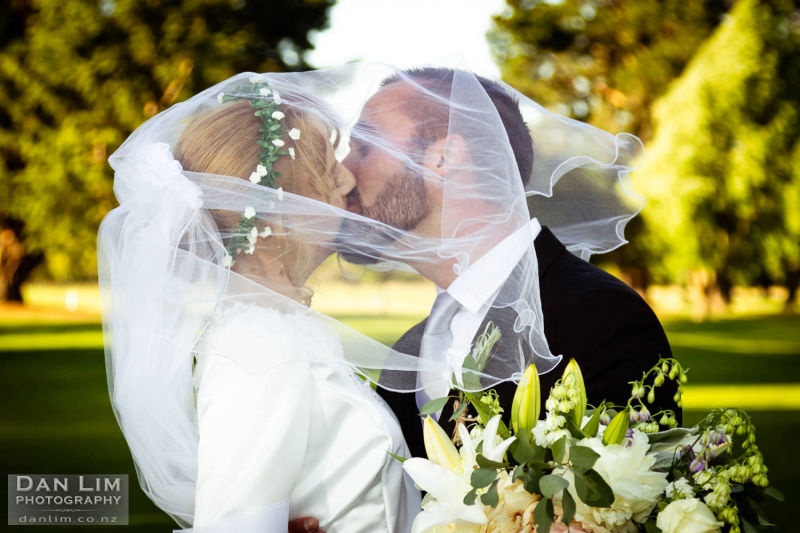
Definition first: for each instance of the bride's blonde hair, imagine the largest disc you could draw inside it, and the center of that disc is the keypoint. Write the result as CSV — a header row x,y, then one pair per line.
x,y
224,140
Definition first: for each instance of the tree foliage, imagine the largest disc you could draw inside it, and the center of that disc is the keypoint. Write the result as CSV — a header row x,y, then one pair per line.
x,y
604,62
601,61
724,166
77,76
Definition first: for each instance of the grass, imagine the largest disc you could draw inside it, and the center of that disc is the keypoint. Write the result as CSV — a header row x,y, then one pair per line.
x,y
57,418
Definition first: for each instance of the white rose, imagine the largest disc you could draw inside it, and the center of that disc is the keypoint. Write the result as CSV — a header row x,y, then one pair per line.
x,y
687,516
627,470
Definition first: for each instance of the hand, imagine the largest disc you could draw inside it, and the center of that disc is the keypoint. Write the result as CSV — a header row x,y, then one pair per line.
x,y
305,524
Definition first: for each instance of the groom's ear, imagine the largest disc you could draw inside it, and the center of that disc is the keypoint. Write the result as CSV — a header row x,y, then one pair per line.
x,y
447,153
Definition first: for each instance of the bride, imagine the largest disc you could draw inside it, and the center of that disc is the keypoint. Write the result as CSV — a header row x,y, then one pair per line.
x,y
241,406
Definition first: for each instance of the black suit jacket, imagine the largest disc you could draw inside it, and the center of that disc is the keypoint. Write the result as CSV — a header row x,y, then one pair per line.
x,y
589,315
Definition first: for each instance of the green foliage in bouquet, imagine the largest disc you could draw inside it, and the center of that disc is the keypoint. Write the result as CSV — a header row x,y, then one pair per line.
x,y
607,467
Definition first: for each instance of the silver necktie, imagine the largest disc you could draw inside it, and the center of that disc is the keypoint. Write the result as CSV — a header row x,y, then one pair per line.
x,y
436,340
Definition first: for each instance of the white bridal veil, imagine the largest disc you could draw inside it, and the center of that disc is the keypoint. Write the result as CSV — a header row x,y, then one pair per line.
x,y
168,254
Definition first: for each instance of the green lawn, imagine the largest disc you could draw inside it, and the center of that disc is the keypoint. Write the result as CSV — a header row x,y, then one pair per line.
x,y
57,419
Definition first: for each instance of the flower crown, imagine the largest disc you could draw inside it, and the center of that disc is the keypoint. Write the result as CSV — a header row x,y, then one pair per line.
x,y
266,101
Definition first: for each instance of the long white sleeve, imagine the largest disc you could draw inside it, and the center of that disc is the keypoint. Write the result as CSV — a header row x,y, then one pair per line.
x,y
253,427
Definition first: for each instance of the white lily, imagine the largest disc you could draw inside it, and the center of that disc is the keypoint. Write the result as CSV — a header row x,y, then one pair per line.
x,y
449,490
439,448
493,450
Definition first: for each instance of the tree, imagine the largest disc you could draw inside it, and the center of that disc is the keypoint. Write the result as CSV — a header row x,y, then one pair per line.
x,y
601,61
724,165
604,62
77,76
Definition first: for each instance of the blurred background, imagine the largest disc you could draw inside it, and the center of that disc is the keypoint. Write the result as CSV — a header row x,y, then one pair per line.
x,y
711,86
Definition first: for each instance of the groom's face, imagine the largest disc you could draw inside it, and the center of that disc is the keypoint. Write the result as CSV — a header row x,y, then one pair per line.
x,y
388,187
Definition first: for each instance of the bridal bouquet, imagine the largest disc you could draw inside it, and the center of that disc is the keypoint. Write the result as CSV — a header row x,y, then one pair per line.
x,y
610,469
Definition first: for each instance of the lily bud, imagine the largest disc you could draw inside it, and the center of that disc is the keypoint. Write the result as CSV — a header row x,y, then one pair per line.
x,y
617,428
439,447
527,403
580,408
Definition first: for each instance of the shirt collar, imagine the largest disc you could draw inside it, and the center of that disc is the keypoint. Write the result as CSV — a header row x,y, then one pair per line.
x,y
481,280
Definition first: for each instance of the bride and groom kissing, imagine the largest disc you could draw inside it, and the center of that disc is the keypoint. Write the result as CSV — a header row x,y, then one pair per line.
x,y
250,198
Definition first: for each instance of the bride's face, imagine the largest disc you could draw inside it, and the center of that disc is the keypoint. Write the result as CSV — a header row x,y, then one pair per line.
x,y
315,173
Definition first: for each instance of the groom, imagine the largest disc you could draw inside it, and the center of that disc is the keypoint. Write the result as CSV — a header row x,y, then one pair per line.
x,y
588,314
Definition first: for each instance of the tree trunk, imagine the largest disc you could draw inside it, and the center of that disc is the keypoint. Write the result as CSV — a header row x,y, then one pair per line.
x,y
16,265
792,283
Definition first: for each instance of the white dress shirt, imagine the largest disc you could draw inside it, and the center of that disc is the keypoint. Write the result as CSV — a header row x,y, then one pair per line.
x,y
476,288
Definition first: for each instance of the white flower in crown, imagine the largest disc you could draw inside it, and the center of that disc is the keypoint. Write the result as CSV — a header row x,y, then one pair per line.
x,y
278,115
280,193
249,212
220,97
255,178
266,232
257,79
263,91
261,170
294,134
227,261
251,249
278,142
253,235
291,152
276,96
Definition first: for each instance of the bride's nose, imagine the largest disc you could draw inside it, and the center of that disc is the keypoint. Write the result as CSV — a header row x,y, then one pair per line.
x,y
346,182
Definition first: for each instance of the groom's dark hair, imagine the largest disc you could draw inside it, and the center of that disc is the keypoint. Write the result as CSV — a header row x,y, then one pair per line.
x,y
439,81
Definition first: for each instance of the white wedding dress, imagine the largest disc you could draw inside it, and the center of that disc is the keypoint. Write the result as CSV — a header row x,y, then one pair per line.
x,y
287,430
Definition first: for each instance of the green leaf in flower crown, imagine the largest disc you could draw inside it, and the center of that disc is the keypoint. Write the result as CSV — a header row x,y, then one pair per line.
x,y
593,425
568,506
490,497
559,448
434,406
399,458
592,489
543,516
550,485
486,463
482,477
582,457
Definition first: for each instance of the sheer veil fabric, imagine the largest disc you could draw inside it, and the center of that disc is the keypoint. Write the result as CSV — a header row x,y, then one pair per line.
x,y
165,254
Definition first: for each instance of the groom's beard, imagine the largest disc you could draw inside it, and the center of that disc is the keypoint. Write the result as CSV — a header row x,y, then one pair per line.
x,y
402,204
